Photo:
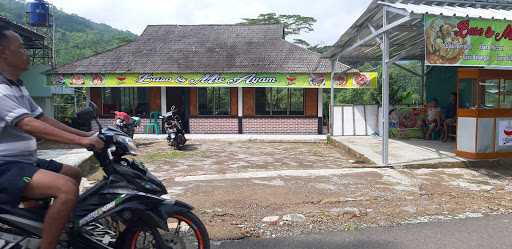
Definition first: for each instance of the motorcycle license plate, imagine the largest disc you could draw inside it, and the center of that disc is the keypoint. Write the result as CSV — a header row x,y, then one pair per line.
x,y
172,135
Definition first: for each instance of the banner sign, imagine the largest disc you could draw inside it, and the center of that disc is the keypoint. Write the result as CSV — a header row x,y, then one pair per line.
x,y
505,132
458,41
357,80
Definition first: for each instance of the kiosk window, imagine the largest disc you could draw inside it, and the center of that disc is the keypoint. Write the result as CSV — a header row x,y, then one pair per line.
x,y
490,93
467,93
506,94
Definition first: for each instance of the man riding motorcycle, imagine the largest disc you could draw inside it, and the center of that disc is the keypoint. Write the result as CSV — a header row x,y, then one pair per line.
x,y
22,174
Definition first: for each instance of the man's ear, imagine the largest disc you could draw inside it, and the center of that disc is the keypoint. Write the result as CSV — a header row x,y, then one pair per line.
x,y
3,51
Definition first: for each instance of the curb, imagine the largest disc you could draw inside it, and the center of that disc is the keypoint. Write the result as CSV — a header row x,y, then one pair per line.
x,y
438,165
346,149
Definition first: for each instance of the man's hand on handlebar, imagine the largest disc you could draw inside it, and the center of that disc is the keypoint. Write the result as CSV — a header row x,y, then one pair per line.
x,y
92,143
91,133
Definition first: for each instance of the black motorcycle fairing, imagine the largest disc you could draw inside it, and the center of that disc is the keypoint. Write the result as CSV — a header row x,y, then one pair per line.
x,y
146,183
93,198
169,207
141,207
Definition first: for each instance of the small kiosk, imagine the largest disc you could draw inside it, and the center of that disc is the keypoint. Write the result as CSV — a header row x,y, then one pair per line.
x,y
484,125
464,47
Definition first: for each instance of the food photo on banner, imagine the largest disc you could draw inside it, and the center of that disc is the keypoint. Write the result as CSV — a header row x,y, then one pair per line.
x,y
456,41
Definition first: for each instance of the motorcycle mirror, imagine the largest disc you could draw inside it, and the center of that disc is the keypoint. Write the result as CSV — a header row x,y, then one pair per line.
x,y
93,106
87,114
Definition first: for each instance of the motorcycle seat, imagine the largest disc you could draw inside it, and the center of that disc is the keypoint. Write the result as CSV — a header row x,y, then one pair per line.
x,y
27,213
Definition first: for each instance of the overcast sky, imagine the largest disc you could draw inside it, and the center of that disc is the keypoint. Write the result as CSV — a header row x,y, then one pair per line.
x,y
333,16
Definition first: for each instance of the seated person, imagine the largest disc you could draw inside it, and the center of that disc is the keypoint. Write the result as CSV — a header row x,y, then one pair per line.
x,y
450,116
433,121
394,118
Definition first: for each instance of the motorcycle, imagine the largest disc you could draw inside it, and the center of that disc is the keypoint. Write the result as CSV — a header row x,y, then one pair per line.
x,y
128,209
125,123
174,129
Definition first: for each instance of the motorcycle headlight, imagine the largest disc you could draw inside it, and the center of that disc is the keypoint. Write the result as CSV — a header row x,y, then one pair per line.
x,y
129,143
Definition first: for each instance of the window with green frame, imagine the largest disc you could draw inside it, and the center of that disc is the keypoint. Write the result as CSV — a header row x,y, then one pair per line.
x,y
214,101
279,101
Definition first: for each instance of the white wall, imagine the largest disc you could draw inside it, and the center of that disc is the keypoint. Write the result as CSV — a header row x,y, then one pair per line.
x,y
355,120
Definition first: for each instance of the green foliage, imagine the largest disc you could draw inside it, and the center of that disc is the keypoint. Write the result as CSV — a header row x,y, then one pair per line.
x,y
293,24
76,37
404,88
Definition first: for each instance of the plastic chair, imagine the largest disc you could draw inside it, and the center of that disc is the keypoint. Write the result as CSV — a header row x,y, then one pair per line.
x,y
153,124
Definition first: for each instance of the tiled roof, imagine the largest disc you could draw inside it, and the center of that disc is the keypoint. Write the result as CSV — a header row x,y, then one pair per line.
x,y
205,48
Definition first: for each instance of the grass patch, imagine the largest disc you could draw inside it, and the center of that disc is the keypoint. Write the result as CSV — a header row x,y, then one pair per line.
x,y
157,156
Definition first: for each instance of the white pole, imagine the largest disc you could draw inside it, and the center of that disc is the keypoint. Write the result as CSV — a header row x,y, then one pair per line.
x,y
240,102
240,110
320,102
320,111
385,91
163,99
331,106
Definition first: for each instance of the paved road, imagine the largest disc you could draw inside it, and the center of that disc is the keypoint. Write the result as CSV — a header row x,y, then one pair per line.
x,y
494,232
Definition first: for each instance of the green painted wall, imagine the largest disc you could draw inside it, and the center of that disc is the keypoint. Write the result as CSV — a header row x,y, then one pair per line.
x,y
440,82
36,81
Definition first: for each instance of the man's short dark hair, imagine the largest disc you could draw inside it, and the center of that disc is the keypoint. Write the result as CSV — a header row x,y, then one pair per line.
x,y
3,33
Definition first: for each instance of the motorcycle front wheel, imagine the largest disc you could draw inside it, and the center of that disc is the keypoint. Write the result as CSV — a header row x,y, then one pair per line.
x,y
186,231
141,237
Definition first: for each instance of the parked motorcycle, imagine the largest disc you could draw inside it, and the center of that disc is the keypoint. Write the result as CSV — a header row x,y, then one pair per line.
x,y
126,123
174,129
127,209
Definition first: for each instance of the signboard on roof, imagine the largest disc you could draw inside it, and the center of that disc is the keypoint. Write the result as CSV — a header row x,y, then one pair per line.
x,y
320,80
458,41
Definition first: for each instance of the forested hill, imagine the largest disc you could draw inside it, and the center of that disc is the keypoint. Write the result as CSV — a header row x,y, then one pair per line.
x,y
76,37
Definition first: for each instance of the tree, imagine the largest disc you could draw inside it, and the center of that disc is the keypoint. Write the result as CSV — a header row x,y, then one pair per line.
x,y
293,24
319,49
302,43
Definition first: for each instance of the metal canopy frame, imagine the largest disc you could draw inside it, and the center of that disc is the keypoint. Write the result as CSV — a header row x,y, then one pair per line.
x,y
389,34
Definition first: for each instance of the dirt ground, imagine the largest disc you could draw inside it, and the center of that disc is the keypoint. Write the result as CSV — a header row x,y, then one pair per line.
x,y
312,187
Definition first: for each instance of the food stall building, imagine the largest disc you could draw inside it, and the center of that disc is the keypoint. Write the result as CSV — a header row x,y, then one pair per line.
x,y
221,79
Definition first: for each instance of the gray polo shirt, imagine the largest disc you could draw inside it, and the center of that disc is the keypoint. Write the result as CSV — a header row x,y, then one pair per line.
x,y
16,104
